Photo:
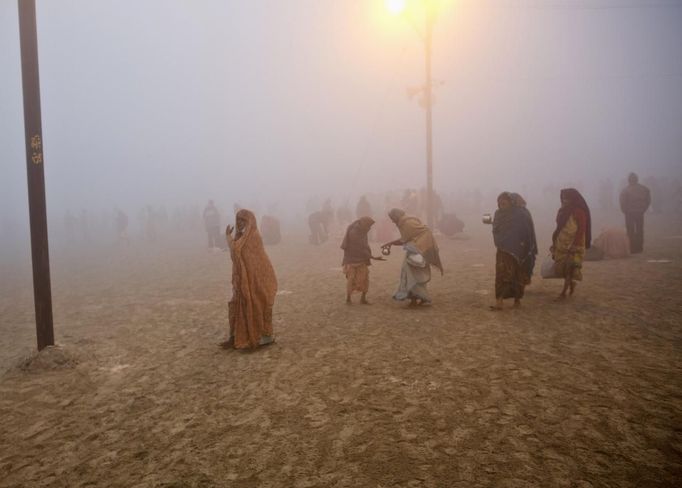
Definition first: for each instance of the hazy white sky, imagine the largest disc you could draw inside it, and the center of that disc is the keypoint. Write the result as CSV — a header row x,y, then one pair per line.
x,y
182,100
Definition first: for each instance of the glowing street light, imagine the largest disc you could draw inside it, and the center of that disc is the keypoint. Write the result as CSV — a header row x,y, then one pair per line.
x,y
396,7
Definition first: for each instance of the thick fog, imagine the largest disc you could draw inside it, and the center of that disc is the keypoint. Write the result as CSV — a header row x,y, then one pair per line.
x,y
273,103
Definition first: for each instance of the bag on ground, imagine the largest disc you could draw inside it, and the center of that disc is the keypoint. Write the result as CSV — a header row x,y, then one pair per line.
x,y
548,269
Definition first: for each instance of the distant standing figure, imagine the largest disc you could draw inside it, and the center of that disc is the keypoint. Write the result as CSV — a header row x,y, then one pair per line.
x,y
270,229
319,229
344,215
254,286
514,237
357,256
437,207
572,236
421,251
363,208
211,218
634,202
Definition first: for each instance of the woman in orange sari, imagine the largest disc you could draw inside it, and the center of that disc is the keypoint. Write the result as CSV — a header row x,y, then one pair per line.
x,y
254,286
573,235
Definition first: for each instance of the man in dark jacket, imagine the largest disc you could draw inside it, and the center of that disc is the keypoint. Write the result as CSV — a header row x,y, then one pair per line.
x,y
634,202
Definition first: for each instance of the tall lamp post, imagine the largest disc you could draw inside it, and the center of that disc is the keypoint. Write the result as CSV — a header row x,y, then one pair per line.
x,y
397,7
42,295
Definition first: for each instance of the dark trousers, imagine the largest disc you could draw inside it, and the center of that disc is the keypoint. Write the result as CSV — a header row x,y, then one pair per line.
x,y
634,223
214,237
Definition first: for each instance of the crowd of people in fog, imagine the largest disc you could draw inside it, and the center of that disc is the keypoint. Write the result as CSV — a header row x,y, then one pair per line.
x,y
154,223
395,218
513,231
149,224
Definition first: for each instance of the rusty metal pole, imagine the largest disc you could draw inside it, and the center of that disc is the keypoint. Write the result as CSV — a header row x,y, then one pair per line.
x,y
42,294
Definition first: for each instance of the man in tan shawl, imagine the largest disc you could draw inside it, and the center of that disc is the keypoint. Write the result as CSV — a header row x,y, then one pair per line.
x,y
254,286
421,251
357,256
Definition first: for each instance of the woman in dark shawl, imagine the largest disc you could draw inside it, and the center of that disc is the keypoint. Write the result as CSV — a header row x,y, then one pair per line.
x,y
514,238
572,236
529,263
254,286
357,256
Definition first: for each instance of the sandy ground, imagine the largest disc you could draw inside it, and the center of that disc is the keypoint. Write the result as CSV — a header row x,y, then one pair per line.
x,y
586,393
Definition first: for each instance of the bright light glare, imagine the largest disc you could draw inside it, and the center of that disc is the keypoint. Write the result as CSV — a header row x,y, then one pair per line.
x,y
395,7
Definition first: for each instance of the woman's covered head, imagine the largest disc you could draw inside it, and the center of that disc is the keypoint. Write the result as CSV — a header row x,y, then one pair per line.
x,y
244,218
366,223
504,200
569,196
396,214
517,200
